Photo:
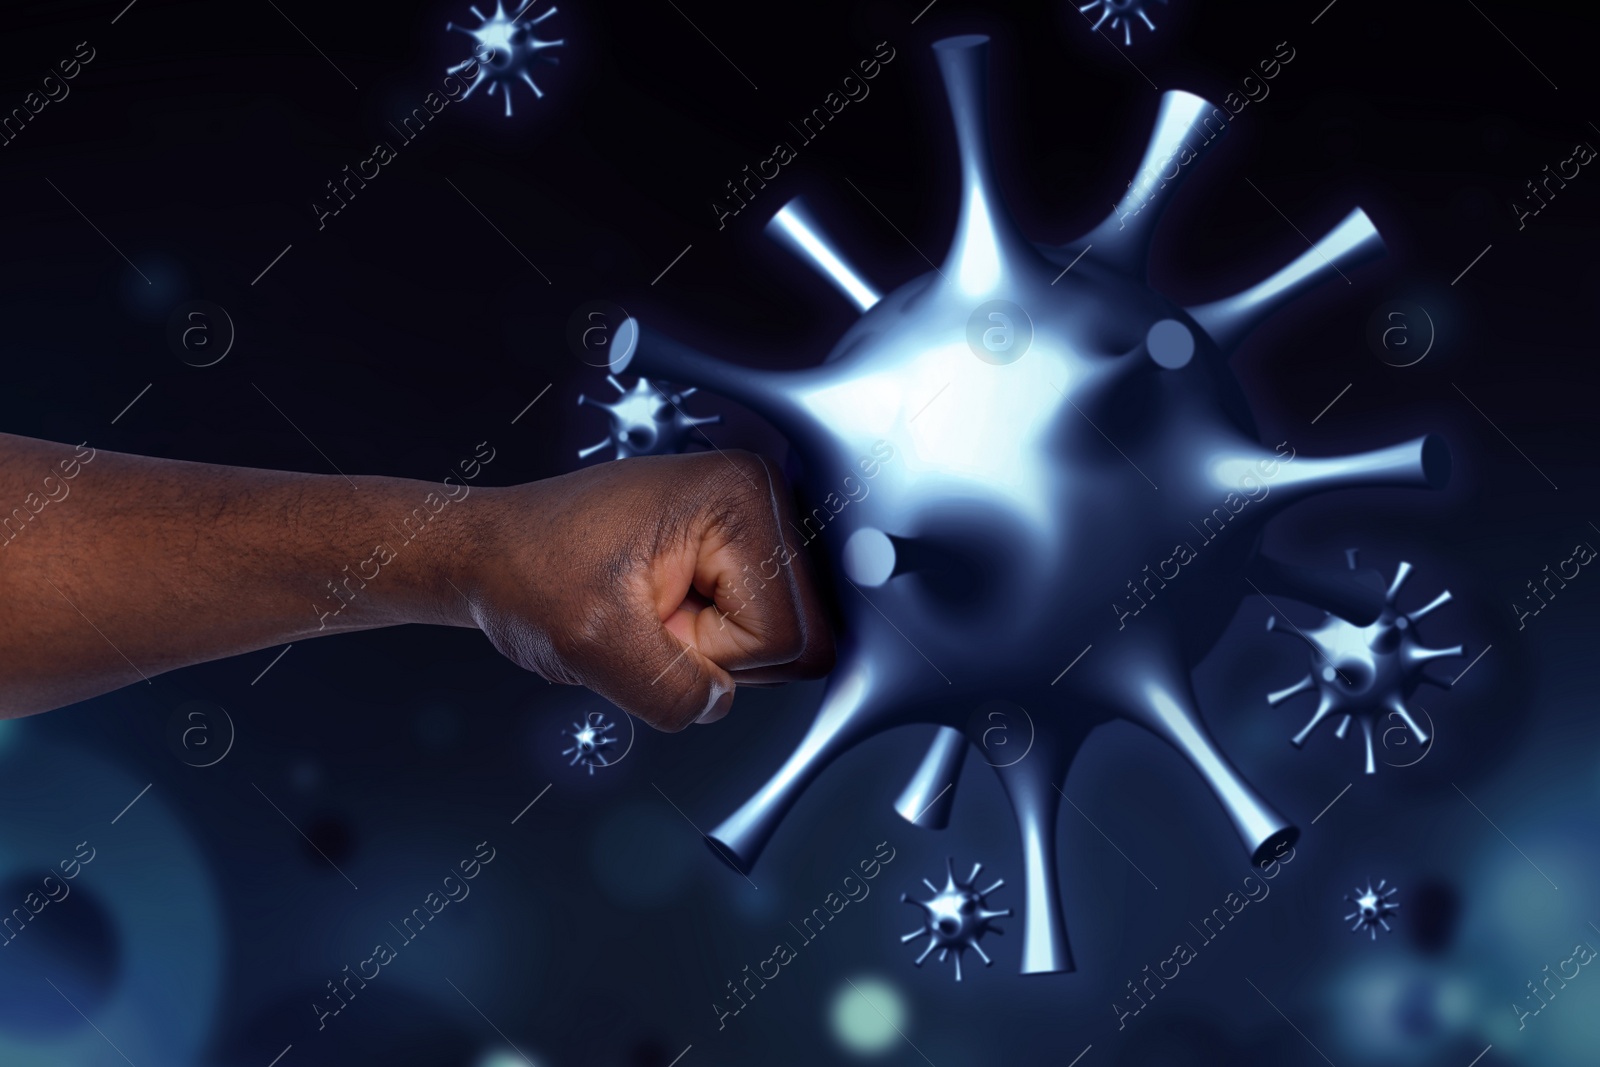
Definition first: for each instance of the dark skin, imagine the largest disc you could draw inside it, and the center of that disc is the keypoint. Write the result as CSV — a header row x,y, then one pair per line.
x,y
633,578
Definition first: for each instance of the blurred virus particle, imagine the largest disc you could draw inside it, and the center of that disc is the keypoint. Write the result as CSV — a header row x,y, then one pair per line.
x,y
1121,13
646,420
509,47
1362,672
1014,413
957,916
1372,906
868,1017
589,741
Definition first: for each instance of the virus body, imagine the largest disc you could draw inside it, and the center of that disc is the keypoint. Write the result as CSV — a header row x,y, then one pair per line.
x,y
1054,427
1362,672
513,49
956,917
646,420
589,741
1372,906
1121,13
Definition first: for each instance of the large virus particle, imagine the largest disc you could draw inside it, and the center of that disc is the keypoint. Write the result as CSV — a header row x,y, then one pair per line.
x,y
1373,906
1024,434
1121,13
1363,672
509,47
956,917
646,420
589,741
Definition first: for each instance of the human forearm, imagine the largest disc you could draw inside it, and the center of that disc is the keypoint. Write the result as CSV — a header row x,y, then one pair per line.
x,y
115,568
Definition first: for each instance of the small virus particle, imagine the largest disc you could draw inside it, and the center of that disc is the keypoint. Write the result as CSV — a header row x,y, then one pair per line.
x,y
1121,13
646,420
512,47
1372,905
1363,672
957,916
589,741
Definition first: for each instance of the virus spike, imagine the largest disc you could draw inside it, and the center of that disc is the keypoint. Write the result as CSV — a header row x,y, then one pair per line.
x,y
913,935
1356,595
585,453
798,230
1166,708
1438,601
1401,573
1423,462
1344,726
931,945
1398,707
1146,19
1274,699
1350,244
1123,239
985,239
646,352
1289,629
930,794
1419,654
850,712
1299,739
1035,802
1351,555
1366,730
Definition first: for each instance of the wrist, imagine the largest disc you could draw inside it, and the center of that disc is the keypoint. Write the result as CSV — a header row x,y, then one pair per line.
x,y
485,532
407,554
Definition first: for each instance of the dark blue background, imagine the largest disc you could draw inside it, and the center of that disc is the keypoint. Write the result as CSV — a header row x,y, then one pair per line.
x,y
407,330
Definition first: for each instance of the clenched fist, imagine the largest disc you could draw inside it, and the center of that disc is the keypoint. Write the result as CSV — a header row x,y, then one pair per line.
x,y
650,581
